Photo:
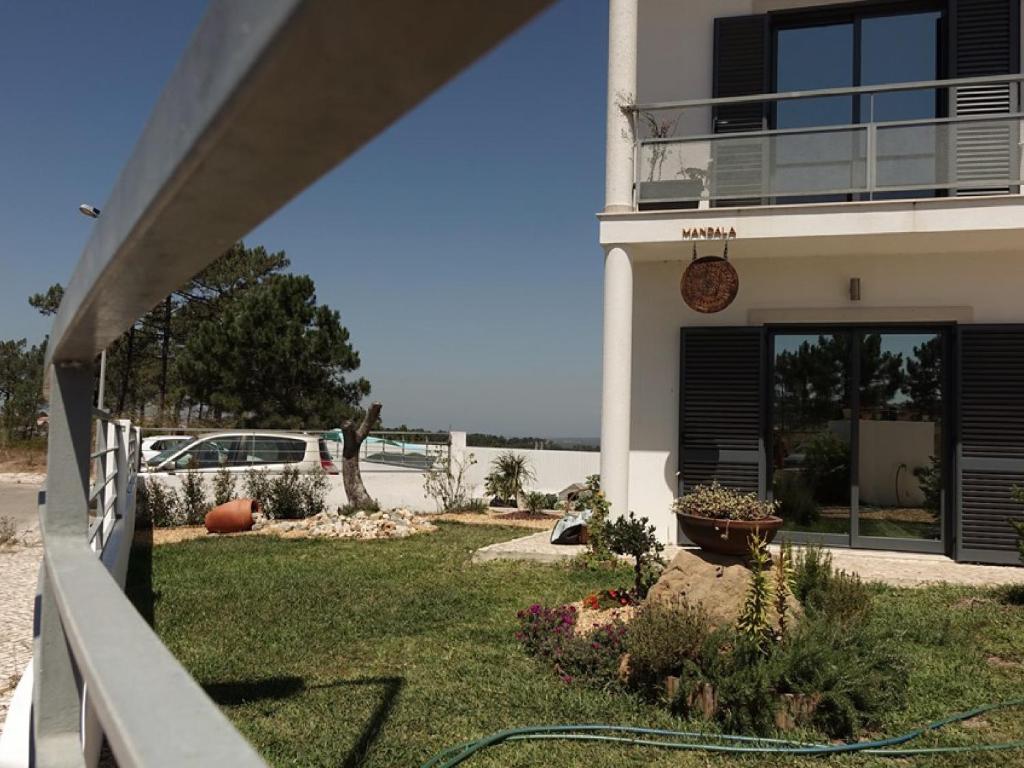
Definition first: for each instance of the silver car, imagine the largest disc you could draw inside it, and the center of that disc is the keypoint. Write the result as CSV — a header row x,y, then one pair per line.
x,y
241,451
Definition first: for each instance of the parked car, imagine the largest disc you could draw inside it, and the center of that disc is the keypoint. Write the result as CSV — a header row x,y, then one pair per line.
x,y
151,446
240,451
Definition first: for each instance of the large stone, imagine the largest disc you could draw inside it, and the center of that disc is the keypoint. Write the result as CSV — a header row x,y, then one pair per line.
x,y
717,582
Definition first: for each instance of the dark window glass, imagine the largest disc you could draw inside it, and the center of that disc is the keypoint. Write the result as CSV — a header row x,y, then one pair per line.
x,y
210,454
811,431
276,450
900,435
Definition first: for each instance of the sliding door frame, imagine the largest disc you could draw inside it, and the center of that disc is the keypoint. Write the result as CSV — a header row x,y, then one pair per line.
x,y
948,506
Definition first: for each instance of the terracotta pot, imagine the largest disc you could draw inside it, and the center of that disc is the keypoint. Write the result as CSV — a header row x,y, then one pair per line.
x,y
232,516
727,537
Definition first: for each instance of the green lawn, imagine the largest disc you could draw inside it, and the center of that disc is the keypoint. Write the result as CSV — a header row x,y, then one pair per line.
x,y
380,653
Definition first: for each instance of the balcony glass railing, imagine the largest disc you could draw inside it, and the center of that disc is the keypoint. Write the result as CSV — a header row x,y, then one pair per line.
x,y
976,150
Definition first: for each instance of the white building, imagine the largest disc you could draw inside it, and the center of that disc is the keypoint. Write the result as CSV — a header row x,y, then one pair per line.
x,y
869,373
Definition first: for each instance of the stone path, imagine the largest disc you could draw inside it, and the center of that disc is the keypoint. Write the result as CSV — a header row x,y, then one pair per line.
x,y
19,572
899,569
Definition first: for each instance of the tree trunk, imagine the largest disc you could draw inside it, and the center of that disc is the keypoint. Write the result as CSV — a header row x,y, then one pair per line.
x,y
126,373
353,479
164,347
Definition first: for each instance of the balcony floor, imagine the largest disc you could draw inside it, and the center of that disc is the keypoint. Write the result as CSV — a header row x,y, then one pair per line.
x,y
992,223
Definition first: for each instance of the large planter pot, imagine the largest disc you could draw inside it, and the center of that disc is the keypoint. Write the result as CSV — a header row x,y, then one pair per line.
x,y
727,537
232,517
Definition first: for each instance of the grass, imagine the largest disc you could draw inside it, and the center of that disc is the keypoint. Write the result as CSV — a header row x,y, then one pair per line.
x,y
381,653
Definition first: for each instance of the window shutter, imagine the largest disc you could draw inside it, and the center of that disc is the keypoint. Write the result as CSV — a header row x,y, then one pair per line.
x,y
741,69
721,427
984,40
990,455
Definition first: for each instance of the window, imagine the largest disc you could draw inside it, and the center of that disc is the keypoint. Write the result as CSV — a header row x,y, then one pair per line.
x,y
276,450
858,432
213,453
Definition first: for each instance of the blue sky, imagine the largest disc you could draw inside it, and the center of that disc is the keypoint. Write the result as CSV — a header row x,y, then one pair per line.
x,y
460,246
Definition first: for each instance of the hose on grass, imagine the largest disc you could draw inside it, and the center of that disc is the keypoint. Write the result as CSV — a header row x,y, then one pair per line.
x,y
695,741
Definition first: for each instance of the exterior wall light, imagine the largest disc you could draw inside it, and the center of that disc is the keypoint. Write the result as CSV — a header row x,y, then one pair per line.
x,y
854,289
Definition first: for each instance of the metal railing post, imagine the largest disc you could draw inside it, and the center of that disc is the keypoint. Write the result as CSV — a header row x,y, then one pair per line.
x,y
56,697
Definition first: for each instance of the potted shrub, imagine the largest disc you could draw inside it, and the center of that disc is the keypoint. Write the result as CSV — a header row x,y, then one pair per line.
x,y
722,520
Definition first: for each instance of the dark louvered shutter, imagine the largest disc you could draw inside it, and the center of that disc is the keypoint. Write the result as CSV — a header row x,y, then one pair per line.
x,y
984,40
991,450
741,69
721,425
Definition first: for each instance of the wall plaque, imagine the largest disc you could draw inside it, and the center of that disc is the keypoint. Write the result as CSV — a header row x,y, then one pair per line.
x,y
709,284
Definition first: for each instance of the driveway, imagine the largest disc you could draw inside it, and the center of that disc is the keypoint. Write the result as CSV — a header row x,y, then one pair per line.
x,y
19,571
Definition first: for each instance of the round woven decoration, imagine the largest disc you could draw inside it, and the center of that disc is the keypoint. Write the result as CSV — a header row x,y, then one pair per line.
x,y
709,284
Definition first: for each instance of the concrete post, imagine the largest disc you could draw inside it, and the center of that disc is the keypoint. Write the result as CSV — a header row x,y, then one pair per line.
x,y
618,179
618,266
617,378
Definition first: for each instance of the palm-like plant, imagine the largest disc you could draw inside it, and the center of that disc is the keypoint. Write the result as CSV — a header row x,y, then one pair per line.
x,y
510,473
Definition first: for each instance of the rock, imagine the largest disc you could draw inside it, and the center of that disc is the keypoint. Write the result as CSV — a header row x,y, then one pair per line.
x,y
718,582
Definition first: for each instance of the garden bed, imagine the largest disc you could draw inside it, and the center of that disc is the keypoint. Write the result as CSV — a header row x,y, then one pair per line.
x,y
381,653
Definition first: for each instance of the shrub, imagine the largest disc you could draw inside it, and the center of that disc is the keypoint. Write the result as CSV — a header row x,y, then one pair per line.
x,y
930,480
857,671
287,495
1018,525
812,571
160,505
795,500
719,503
826,468
510,473
593,658
592,498
7,530
636,538
313,489
446,483
664,639
258,484
535,502
223,486
542,631
192,498
754,622
838,595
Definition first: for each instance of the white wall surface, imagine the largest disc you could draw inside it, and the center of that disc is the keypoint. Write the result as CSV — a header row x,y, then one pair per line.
x,y
554,469
397,487
988,285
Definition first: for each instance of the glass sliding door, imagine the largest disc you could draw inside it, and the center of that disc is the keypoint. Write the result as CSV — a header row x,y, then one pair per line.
x,y
900,435
858,435
811,431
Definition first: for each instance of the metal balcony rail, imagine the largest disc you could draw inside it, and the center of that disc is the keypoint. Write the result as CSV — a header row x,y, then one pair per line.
x,y
269,96
976,149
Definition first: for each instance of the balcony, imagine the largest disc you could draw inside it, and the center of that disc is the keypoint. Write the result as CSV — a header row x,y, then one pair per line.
x,y
746,162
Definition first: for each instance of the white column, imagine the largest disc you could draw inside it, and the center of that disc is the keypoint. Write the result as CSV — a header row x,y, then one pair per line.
x,y
617,378
618,178
618,266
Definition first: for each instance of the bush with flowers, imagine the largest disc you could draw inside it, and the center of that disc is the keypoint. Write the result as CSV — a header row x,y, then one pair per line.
x,y
592,658
609,598
718,503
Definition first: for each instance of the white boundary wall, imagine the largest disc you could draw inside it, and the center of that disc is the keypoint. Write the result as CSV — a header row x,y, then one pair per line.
x,y
397,487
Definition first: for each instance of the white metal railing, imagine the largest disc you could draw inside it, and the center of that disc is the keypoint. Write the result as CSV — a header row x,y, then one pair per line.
x,y
744,160
269,96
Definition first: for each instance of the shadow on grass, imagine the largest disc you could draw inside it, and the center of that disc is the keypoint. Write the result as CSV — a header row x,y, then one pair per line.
x,y
280,688
139,582
1014,595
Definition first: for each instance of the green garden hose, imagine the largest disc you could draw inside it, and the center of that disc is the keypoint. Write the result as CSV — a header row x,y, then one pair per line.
x,y
713,742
